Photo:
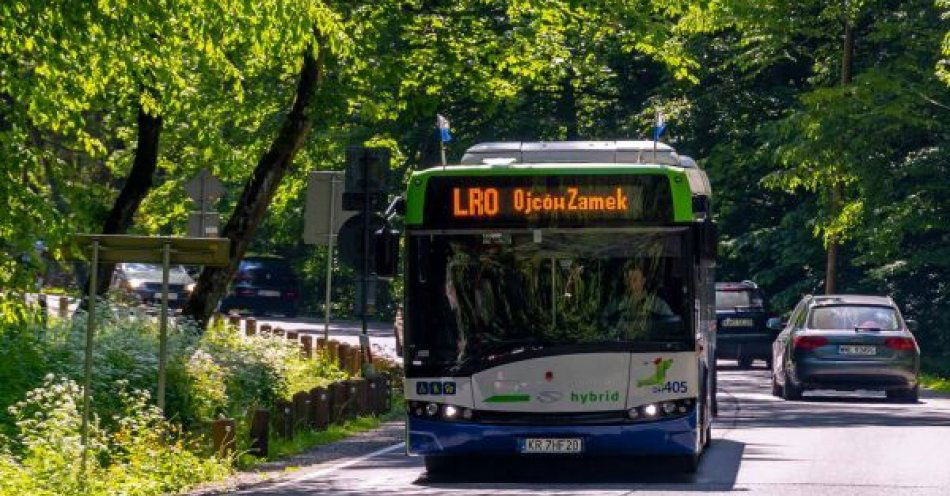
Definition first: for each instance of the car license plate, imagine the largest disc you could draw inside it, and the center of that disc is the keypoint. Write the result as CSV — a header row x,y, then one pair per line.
x,y
850,349
737,323
268,292
552,445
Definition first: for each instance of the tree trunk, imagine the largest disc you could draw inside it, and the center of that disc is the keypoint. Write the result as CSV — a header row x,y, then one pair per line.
x,y
136,187
831,262
258,192
568,105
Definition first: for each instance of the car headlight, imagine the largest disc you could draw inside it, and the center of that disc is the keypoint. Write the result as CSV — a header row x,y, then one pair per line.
x,y
189,288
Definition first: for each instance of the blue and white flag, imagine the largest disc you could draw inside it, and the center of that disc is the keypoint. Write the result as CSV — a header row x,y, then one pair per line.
x,y
659,127
443,124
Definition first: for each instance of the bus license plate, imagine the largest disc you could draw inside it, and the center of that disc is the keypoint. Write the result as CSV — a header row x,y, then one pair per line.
x,y
849,349
552,445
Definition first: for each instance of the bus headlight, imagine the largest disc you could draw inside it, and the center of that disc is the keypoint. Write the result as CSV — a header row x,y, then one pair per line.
x,y
450,412
633,413
668,407
651,410
432,409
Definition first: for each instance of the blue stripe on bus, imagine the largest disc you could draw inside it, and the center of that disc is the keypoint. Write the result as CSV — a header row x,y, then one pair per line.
x,y
661,437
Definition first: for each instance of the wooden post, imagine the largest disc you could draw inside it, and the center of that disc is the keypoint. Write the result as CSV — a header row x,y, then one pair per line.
x,y
319,408
222,433
306,346
321,344
250,326
362,396
341,398
356,358
260,432
333,351
63,307
301,409
352,398
342,356
283,419
292,335
235,320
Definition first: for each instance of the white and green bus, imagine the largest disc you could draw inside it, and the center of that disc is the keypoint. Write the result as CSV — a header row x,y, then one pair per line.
x,y
559,301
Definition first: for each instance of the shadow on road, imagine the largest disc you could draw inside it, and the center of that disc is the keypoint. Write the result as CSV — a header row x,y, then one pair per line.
x,y
755,407
717,472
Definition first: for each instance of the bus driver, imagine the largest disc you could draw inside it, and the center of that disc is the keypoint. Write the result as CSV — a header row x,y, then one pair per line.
x,y
638,307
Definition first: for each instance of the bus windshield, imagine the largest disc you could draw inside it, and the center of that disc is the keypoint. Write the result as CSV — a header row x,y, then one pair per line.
x,y
478,296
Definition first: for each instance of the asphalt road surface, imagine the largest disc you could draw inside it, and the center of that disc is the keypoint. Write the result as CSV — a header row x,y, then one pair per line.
x,y
831,443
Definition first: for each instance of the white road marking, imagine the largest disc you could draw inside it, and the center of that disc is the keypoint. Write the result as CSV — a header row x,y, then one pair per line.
x,y
337,466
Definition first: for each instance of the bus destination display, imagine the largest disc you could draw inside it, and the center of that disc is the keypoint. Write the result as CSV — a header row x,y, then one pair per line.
x,y
513,201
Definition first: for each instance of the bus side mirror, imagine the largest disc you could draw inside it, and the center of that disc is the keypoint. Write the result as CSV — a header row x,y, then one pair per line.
x,y
386,242
708,240
775,324
912,325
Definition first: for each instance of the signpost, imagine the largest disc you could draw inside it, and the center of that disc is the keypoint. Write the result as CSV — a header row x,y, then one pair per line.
x,y
323,216
367,171
204,189
115,248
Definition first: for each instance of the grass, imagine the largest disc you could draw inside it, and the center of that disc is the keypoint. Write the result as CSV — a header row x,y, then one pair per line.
x,y
935,383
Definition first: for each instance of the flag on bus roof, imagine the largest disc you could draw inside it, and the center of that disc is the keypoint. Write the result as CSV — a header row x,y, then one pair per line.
x,y
443,124
659,126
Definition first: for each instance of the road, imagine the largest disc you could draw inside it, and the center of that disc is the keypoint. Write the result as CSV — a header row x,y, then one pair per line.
x,y
832,443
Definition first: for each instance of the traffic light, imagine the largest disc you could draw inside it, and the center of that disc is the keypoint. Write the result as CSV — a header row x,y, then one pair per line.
x,y
367,243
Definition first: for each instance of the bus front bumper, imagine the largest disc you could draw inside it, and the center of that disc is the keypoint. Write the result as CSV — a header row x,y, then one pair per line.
x,y
676,436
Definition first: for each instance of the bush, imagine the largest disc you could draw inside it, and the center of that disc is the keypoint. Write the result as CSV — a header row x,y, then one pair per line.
x,y
142,454
134,449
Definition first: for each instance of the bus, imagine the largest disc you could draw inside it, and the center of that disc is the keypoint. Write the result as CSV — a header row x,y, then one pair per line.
x,y
559,301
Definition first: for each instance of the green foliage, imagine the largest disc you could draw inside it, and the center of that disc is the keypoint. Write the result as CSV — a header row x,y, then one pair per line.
x,y
141,454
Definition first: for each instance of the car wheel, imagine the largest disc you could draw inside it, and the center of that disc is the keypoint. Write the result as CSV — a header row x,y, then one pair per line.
x,y
776,389
911,395
790,391
745,362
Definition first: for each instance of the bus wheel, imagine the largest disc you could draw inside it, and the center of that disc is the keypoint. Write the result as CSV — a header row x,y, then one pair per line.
x,y
688,464
439,466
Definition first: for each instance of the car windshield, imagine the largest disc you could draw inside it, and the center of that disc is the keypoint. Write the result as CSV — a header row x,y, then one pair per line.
x,y
853,317
730,299
145,267
269,272
481,295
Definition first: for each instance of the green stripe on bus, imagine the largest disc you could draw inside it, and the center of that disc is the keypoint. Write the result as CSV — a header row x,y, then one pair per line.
x,y
508,398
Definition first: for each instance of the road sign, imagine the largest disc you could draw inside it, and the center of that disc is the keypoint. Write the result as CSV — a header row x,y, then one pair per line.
x,y
204,189
203,224
117,248
323,213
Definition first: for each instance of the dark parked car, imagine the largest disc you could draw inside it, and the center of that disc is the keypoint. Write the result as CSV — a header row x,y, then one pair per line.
x,y
263,285
846,342
742,333
145,282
